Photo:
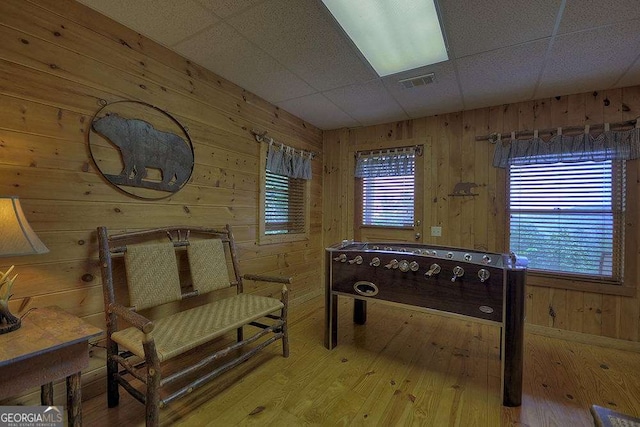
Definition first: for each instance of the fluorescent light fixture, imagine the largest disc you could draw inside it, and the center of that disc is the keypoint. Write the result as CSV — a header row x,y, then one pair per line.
x,y
394,35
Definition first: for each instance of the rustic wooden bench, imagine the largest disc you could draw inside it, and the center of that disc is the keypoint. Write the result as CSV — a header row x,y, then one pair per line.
x,y
145,271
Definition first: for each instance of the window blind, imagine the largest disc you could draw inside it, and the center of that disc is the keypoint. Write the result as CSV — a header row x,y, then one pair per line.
x,y
569,217
388,181
388,201
284,204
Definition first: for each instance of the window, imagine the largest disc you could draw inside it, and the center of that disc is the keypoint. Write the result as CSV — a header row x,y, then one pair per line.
x,y
284,204
388,201
568,218
284,200
387,182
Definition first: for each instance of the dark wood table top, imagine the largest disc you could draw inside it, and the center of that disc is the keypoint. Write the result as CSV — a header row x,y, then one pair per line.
x,y
44,329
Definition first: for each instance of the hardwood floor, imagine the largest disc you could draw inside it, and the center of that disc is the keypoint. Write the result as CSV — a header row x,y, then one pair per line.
x,y
402,368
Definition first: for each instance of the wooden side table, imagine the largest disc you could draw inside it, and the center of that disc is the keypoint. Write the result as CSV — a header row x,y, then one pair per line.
x,y
51,344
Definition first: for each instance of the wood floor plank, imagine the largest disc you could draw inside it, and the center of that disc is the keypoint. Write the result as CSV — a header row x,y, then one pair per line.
x,y
454,394
402,404
389,374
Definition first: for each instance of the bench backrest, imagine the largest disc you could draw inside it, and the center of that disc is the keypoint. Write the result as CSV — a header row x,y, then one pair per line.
x,y
151,265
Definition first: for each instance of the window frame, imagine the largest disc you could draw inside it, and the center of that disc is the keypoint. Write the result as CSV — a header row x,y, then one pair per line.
x,y
263,237
352,206
586,283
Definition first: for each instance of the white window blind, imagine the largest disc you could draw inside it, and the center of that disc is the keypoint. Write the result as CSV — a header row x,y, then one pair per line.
x,y
569,217
284,204
388,181
388,201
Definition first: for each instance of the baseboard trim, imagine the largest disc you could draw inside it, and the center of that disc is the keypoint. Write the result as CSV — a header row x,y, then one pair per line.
x,y
580,337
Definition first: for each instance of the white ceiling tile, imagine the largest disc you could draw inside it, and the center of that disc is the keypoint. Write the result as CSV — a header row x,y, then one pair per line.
x,y
321,57
368,103
443,95
478,26
165,21
585,14
271,17
319,111
227,53
632,76
309,46
227,8
501,76
589,60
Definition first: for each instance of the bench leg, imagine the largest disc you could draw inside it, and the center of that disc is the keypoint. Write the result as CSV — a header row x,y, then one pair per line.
x,y
285,341
151,408
152,399
240,334
285,326
113,395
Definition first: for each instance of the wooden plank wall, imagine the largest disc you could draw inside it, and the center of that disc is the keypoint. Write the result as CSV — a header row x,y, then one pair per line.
x,y
479,222
58,58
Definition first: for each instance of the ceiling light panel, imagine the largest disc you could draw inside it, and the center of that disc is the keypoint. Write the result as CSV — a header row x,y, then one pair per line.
x,y
394,35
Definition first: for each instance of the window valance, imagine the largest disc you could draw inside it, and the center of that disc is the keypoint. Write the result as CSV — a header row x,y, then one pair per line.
x,y
395,162
285,160
288,161
609,145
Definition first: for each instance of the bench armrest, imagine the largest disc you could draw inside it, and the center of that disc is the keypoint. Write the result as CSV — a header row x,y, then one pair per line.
x,y
136,319
274,279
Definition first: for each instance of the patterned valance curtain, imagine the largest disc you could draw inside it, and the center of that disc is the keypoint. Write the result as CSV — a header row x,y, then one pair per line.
x,y
396,162
288,161
609,145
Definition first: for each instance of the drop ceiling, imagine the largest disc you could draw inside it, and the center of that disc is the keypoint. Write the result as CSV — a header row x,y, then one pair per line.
x,y
293,54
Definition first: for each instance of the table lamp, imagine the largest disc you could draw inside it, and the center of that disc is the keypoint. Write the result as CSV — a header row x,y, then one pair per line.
x,y
16,239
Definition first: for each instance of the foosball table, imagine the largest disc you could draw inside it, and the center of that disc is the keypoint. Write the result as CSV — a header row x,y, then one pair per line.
x,y
482,286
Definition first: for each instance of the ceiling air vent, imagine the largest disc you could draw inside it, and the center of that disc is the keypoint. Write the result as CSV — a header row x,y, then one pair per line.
x,y
417,81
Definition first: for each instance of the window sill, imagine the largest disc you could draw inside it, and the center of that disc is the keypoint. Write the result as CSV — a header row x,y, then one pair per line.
x,y
394,227
271,239
577,284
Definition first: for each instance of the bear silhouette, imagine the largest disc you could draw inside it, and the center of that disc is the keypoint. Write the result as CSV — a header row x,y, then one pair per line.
x,y
142,146
464,188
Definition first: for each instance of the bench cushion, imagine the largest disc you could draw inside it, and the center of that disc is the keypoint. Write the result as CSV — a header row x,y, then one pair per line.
x,y
188,329
152,274
208,265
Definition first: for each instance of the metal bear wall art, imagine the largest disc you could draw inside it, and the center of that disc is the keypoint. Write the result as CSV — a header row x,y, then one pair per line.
x,y
144,147
464,189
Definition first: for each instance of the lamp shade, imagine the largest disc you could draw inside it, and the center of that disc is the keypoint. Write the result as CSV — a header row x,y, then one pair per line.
x,y
16,236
